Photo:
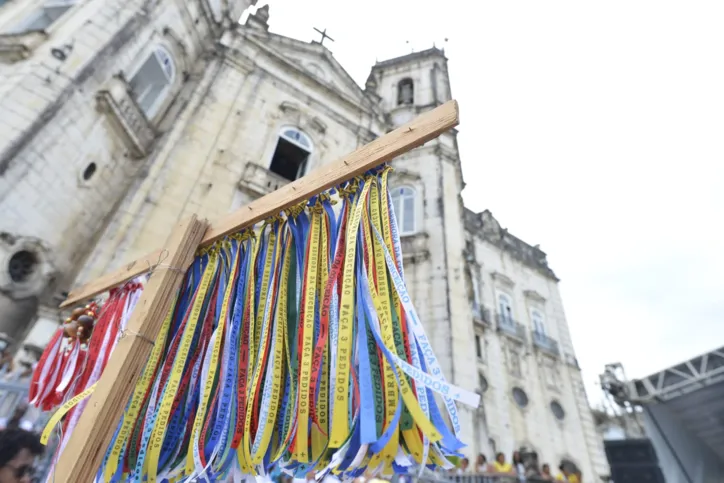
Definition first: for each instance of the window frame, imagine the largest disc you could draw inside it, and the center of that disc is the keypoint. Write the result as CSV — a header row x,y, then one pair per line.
x,y
510,317
483,383
476,288
156,51
30,16
520,391
401,215
403,82
557,409
308,147
538,320
479,347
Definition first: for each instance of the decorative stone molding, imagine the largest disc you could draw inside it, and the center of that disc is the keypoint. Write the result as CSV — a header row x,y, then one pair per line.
x,y
259,181
415,247
240,61
503,279
482,316
485,226
534,296
571,361
288,107
318,125
26,266
400,176
126,117
16,47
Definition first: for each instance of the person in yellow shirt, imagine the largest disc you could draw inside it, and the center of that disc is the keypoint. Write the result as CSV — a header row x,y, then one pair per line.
x,y
570,477
501,466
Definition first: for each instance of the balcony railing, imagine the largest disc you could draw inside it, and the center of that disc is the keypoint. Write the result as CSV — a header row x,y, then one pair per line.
x,y
481,315
545,343
126,117
259,180
511,328
474,478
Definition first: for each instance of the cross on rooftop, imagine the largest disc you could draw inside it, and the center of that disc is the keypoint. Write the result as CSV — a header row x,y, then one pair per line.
x,y
324,35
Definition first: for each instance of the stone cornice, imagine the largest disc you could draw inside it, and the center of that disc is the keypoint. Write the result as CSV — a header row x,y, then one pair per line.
x,y
503,279
299,70
486,227
534,296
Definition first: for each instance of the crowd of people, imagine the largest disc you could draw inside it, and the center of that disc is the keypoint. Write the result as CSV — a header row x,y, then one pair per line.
x,y
19,447
18,450
517,469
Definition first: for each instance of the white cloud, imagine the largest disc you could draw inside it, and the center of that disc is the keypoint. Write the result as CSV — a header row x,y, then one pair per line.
x,y
592,128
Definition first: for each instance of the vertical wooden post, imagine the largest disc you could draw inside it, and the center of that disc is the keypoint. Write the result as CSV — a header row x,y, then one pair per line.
x,y
86,448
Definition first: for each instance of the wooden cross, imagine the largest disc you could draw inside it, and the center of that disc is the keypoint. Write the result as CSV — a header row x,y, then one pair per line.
x,y
87,446
324,35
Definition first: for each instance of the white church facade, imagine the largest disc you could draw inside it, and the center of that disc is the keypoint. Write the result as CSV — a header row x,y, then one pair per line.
x,y
117,119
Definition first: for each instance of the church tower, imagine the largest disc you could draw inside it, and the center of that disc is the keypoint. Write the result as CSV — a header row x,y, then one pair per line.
x,y
426,187
88,92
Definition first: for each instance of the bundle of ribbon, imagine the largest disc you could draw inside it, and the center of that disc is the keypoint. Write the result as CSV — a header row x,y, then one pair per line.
x,y
79,350
293,345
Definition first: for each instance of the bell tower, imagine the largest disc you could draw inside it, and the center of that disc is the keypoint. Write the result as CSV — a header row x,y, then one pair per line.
x,y
411,84
428,183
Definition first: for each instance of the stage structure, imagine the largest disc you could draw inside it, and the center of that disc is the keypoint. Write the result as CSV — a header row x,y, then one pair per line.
x,y
682,408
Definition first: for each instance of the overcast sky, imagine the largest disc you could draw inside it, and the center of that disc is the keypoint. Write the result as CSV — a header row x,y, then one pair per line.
x,y
594,129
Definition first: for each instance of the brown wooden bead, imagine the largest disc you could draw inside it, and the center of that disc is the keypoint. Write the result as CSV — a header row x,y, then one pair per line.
x,y
70,329
77,312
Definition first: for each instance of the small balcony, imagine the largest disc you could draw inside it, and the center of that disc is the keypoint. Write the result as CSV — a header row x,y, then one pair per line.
x,y
511,328
19,46
260,181
545,343
126,117
481,315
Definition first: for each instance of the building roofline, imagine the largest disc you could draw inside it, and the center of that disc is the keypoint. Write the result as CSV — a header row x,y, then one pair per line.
x,y
488,228
434,51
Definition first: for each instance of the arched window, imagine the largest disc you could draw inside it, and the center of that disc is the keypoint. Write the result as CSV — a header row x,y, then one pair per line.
x,y
151,83
403,204
405,92
291,154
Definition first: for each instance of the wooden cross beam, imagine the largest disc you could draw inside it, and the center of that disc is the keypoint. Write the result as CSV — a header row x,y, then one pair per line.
x,y
413,134
87,445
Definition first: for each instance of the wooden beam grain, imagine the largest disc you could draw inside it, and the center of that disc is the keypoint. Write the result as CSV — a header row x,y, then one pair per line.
x,y
120,276
86,448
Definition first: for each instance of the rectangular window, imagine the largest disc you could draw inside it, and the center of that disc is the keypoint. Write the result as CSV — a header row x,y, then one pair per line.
x,y
478,347
409,209
476,290
538,322
42,18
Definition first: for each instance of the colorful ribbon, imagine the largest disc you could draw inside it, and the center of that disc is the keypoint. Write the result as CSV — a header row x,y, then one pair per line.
x,y
291,347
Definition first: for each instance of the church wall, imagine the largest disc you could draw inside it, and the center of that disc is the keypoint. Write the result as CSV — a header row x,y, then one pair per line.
x,y
224,147
544,378
54,202
211,154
